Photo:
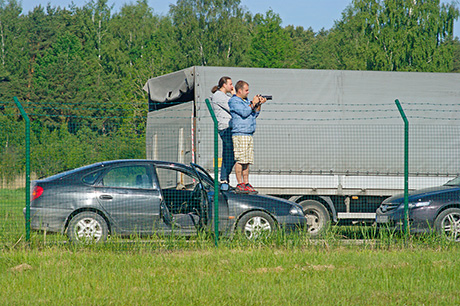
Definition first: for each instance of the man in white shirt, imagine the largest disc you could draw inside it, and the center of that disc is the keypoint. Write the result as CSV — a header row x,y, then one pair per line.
x,y
221,93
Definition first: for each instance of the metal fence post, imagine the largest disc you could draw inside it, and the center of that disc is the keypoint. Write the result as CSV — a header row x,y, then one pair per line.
x,y
27,131
406,167
216,173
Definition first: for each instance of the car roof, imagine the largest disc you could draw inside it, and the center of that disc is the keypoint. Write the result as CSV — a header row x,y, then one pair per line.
x,y
114,162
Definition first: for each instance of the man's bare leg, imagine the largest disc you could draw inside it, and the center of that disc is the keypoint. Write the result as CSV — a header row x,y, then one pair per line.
x,y
239,173
242,173
245,173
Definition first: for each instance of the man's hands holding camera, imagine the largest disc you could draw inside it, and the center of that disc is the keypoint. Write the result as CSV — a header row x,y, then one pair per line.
x,y
258,101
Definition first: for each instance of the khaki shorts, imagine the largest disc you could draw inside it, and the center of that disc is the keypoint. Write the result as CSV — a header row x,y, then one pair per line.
x,y
243,147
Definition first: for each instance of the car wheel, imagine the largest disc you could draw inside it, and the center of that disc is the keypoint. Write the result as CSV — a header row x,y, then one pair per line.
x,y
87,228
448,224
317,217
256,224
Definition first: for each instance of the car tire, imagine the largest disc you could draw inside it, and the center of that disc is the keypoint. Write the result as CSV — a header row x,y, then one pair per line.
x,y
256,224
87,228
447,223
318,218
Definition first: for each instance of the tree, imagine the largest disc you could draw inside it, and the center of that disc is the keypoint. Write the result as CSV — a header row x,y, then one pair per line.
x,y
271,46
310,53
395,35
456,55
14,52
209,32
138,50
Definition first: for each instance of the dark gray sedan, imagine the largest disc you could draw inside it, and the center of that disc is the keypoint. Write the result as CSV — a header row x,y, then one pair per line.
x,y
430,209
145,197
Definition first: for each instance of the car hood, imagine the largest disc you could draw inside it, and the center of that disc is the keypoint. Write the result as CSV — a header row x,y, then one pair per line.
x,y
263,201
421,193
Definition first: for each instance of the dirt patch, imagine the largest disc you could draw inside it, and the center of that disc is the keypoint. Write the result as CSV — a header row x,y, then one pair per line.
x,y
318,267
21,268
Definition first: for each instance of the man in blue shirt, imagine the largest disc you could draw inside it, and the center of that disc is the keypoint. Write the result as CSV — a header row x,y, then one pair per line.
x,y
243,123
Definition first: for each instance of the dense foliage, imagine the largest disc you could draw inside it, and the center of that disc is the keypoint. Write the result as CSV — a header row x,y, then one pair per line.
x,y
80,70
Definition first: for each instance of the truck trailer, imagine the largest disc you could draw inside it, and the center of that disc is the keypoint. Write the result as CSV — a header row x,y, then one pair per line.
x,y
332,141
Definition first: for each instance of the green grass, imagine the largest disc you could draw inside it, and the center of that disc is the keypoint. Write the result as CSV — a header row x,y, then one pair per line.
x,y
255,274
12,232
12,224
350,265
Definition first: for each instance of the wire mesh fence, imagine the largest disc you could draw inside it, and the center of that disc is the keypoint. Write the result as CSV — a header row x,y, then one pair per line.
x,y
59,141
153,176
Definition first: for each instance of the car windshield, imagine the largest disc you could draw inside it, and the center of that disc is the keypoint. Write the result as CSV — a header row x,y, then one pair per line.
x,y
204,175
453,182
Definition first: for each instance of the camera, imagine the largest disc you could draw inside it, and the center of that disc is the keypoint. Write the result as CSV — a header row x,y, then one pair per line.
x,y
267,97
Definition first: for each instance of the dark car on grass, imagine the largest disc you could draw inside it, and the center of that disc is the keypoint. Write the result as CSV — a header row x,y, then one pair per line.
x,y
144,197
431,209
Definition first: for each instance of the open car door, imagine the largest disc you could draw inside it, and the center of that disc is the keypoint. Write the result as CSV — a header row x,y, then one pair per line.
x,y
183,204
208,193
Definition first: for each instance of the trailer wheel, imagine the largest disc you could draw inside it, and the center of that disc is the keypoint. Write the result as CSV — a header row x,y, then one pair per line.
x,y
318,218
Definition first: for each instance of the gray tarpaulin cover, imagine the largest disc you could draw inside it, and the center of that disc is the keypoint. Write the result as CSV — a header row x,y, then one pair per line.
x,y
330,121
170,87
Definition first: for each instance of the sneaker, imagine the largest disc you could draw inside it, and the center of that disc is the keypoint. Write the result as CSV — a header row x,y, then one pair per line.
x,y
224,185
251,189
241,188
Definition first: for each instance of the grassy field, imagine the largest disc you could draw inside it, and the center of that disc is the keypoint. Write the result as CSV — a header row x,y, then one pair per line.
x,y
246,274
12,224
349,266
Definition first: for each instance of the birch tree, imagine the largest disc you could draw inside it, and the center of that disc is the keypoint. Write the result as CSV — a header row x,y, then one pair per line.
x,y
395,35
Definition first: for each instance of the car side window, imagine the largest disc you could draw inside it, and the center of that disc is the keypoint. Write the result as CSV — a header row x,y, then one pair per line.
x,y
174,179
128,177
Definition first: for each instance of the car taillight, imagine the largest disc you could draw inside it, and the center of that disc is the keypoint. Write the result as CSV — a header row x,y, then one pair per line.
x,y
37,192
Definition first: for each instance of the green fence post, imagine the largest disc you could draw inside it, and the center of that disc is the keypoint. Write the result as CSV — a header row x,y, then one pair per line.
x,y
27,131
216,173
406,167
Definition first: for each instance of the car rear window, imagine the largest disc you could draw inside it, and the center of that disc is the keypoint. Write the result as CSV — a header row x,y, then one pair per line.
x,y
70,172
92,177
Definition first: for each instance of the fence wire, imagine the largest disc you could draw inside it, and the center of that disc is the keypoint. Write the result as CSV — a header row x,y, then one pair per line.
x,y
338,162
